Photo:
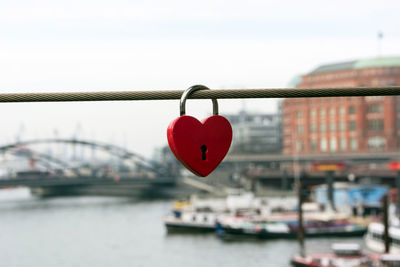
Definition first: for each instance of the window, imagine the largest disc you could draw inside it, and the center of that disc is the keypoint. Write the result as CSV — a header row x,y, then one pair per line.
x,y
353,144
299,114
352,110
322,127
322,112
323,144
313,145
299,146
375,108
342,111
333,144
374,98
332,112
313,128
342,126
376,143
313,113
352,125
343,143
375,125
300,129
332,126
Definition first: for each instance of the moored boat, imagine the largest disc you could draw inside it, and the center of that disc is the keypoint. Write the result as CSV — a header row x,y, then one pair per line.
x,y
199,215
374,238
286,226
191,221
342,255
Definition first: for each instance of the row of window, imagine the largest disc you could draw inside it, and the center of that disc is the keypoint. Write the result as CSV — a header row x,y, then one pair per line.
x,y
380,71
374,98
330,76
373,108
372,125
322,127
375,125
322,112
330,144
334,144
383,82
301,102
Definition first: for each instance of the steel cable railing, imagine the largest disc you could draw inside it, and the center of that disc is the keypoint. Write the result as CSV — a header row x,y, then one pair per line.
x,y
202,94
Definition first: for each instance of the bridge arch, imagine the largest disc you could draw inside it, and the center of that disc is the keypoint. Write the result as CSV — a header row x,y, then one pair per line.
x,y
120,152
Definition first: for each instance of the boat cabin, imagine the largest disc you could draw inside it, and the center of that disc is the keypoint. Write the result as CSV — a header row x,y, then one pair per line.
x,y
390,260
343,250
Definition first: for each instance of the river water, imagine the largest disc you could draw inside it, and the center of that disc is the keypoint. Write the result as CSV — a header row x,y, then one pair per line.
x,y
105,231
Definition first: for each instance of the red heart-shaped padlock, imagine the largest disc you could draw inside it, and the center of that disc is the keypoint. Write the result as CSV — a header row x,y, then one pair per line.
x,y
200,146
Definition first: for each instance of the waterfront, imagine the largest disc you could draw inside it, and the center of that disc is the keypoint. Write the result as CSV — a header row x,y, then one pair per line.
x,y
106,231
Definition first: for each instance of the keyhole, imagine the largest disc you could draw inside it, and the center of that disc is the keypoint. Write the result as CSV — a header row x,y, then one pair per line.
x,y
203,149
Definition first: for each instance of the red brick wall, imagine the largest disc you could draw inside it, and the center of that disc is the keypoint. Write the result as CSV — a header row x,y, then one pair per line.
x,y
348,78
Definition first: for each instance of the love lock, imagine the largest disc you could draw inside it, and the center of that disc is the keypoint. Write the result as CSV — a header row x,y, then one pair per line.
x,y
199,146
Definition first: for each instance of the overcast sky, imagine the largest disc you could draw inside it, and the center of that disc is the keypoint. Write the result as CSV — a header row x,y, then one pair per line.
x,y
158,45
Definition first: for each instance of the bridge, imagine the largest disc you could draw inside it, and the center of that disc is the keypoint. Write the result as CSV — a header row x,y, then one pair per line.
x,y
119,170
115,170
111,149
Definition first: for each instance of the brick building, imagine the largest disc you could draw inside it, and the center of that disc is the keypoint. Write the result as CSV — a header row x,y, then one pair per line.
x,y
344,124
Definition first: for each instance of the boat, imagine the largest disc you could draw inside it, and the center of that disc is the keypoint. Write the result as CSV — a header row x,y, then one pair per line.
x,y
346,255
390,260
362,200
191,221
285,225
203,214
374,238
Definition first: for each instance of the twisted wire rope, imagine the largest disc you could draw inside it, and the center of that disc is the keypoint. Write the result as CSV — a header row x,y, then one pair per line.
x,y
202,94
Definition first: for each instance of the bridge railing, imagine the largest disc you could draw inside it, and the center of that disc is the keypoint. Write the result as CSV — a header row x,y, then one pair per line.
x,y
201,94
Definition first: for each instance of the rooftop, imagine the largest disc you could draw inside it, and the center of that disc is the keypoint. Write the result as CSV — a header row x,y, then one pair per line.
x,y
359,64
334,67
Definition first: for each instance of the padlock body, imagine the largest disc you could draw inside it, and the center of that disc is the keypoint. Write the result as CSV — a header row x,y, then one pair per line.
x,y
200,146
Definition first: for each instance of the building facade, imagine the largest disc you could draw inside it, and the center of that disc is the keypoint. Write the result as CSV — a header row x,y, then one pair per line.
x,y
344,124
256,133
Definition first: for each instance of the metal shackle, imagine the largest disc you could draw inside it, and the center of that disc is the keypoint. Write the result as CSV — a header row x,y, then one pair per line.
x,y
192,89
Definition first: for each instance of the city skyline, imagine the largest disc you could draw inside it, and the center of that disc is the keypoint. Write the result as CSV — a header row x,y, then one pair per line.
x,y
93,46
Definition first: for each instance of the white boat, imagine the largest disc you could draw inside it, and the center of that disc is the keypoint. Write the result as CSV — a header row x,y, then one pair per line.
x,y
374,238
193,221
203,214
